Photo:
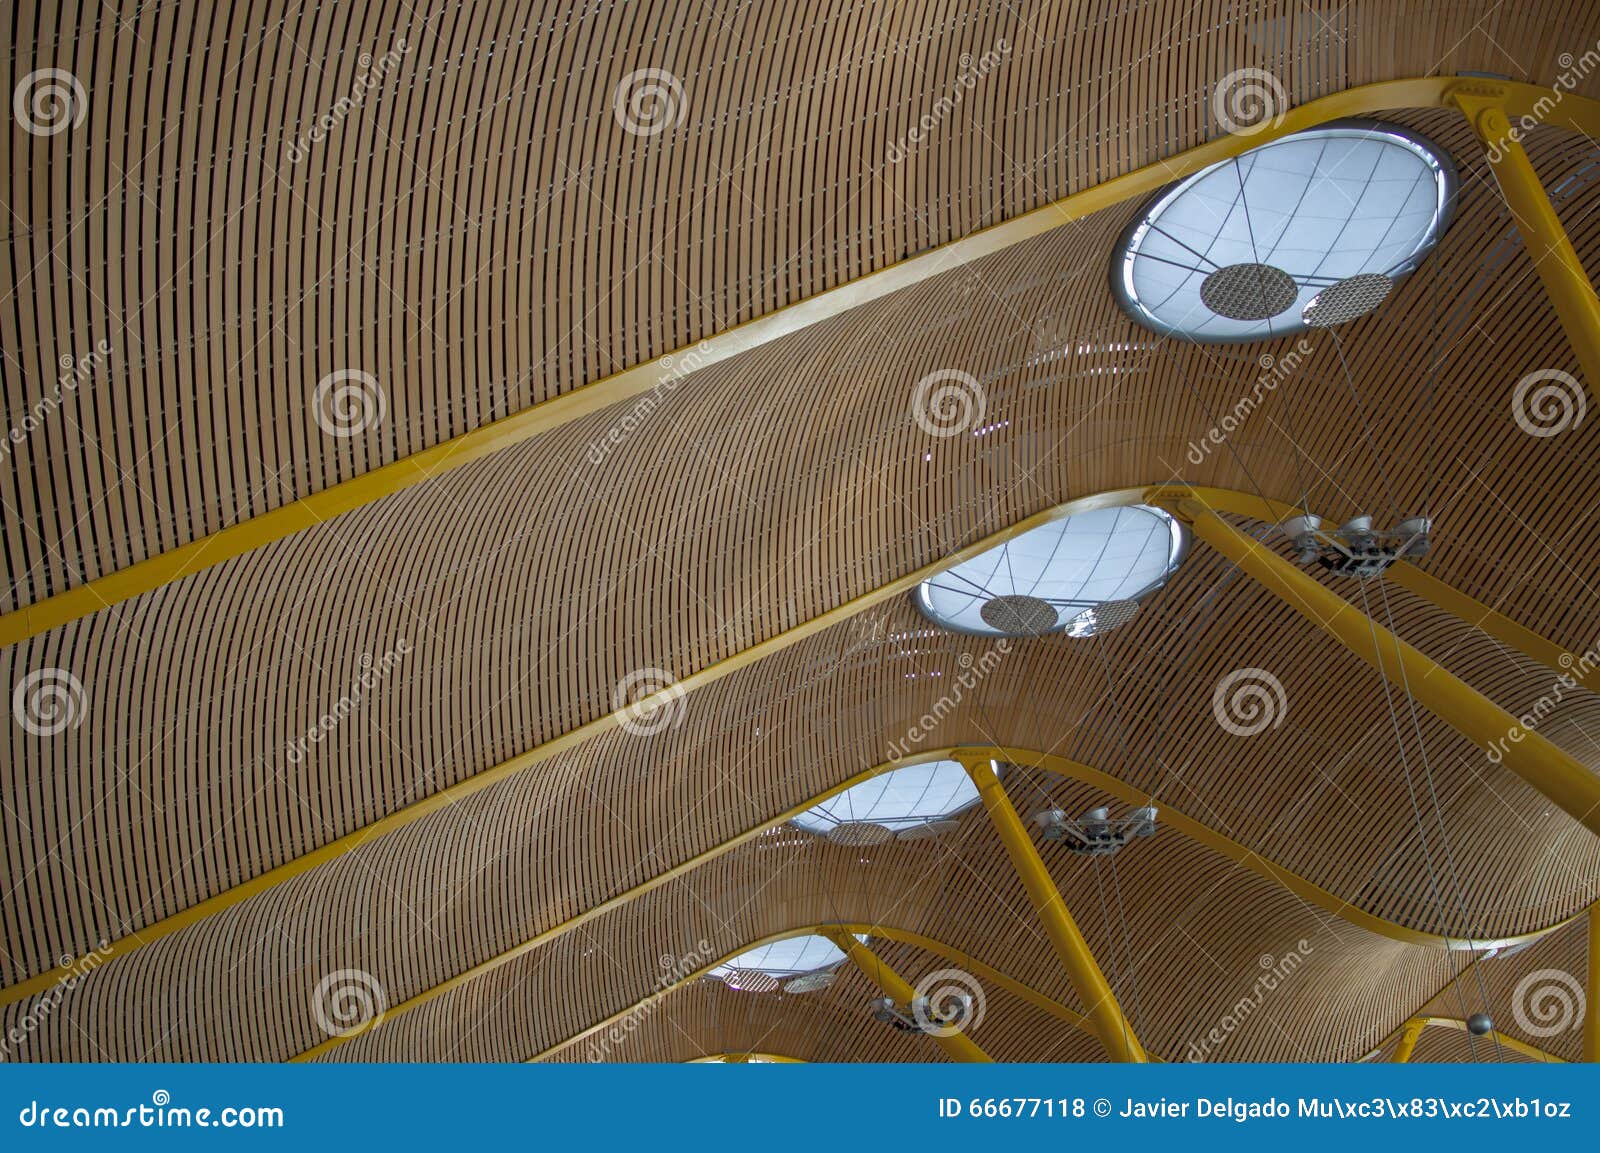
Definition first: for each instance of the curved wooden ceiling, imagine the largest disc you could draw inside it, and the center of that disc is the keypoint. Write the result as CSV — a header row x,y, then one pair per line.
x,y
481,237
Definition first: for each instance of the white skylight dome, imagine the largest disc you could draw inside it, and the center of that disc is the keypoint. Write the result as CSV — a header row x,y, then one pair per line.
x,y
795,965
1244,249
910,802
1081,575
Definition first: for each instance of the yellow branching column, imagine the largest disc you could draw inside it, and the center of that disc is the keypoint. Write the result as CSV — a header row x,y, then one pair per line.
x,y
1099,1002
1532,757
958,1045
1553,256
1408,1040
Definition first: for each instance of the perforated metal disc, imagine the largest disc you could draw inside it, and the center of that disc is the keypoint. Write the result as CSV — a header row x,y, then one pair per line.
x,y
928,830
750,981
1102,618
1343,302
859,833
1249,291
809,982
1018,615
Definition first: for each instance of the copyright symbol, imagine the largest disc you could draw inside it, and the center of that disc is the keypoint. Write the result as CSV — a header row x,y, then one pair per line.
x,y
1102,1107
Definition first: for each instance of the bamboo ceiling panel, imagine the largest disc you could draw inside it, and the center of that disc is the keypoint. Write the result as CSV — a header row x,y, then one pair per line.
x,y
484,232
505,602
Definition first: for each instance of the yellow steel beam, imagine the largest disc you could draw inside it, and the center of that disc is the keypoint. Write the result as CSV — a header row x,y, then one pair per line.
x,y
983,972
1409,1035
1113,1029
1484,104
1575,113
957,1045
1227,500
1544,765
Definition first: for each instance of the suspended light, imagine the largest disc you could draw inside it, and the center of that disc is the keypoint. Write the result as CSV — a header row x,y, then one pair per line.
x,y
911,802
1082,575
1308,231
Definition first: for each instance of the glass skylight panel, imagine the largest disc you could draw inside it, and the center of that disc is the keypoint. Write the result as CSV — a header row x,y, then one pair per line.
x,y
901,799
1059,577
787,958
1238,251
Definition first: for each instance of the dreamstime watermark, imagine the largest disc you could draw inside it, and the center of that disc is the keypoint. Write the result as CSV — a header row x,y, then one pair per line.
x,y
1249,701
673,369
674,971
947,402
650,700
1574,71
374,73
1248,101
49,101
1277,970
348,1001
972,674
1578,670
1547,402
347,402
41,1007
649,101
947,1002
75,372
973,70
1547,1002
373,672
160,1113
1276,370
49,701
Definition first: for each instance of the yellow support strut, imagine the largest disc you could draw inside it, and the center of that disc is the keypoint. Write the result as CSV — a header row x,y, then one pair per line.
x,y
1554,258
1532,757
1408,1040
1591,1015
958,1045
1099,1002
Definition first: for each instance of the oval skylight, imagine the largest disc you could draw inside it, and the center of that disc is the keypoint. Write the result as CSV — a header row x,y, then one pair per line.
x,y
910,801
1080,576
795,964
1244,249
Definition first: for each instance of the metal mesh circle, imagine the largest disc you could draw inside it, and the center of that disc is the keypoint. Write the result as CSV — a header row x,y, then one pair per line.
x,y
1350,298
859,833
1102,618
1249,291
809,982
1018,615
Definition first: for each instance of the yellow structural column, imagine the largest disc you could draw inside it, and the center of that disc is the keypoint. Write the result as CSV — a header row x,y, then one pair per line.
x,y
1099,1002
1591,1015
1532,757
958,1045
1554,258
1408,1040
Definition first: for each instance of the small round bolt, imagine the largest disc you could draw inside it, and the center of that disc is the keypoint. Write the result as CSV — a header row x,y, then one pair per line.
x,y
1479,1024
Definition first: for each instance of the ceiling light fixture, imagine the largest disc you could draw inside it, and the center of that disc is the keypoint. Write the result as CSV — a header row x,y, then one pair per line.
x,y
1309,231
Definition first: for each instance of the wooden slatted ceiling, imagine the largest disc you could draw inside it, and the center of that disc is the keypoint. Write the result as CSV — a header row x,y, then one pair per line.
x,y
523,609
707,1018
463,885
483,234
760,493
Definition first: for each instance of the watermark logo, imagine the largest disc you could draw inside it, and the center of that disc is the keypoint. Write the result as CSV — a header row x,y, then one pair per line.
x,y
49,701
1248,101
347,402
49,101
1275,971
673,369
1547,402
348,1001
947,1002
1547,1002
972,72
373,672
75,372
1275,370
1567,683
373,73
1249,701
948,402
40,1007
649,101
650,700
674,971
971,675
